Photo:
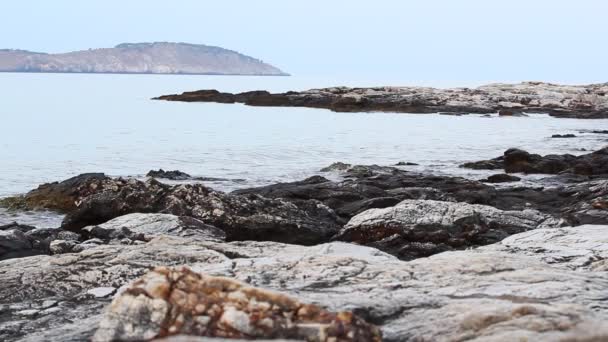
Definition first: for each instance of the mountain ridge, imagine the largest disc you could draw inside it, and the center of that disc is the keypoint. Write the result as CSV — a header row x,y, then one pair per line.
x,y
140,58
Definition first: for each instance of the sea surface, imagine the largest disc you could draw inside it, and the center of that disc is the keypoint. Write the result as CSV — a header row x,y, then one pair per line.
x,y
55,126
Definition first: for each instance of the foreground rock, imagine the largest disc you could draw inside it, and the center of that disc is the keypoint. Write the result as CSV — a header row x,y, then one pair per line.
x,y
419,228
590,101
178,301
516,160
542,285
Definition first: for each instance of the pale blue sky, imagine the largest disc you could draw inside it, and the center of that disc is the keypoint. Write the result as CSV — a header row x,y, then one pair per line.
x,y
426,40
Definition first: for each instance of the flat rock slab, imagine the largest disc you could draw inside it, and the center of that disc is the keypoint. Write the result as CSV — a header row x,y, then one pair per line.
x,y
542,285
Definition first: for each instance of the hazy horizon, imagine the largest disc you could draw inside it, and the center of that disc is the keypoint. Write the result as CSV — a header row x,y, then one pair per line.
x,y
414,42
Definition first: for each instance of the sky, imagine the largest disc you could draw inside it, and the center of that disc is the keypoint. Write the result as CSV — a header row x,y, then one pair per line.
x,y
416,40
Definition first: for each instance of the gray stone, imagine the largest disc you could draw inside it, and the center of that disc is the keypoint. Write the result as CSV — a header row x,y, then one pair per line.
x,y
540,285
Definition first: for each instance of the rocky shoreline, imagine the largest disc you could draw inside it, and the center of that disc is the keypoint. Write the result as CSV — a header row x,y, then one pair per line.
x,y
566,101
380,254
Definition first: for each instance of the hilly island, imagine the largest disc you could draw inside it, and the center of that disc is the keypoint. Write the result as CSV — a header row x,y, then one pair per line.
x,y
140,58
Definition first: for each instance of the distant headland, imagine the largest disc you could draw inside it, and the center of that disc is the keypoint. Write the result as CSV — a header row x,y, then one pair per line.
x,y
140,58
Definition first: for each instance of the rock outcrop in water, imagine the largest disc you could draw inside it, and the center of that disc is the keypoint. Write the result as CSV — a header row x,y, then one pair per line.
x,y
589,101
516,160
140,58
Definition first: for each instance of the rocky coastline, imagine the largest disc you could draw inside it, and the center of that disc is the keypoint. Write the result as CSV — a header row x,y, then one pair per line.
x,y
565,101
378,253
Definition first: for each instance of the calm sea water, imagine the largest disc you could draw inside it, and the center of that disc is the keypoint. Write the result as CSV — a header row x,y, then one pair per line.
x,y
58,125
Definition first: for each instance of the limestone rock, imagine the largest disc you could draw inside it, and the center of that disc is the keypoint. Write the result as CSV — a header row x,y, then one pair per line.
x,y
540,285
417,228
152,225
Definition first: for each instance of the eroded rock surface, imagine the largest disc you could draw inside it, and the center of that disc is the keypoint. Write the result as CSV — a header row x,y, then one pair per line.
x,y
589,101
250,217
173,301
419,228
541,285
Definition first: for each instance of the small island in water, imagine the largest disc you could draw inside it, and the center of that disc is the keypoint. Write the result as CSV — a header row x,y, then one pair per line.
x,y
140,58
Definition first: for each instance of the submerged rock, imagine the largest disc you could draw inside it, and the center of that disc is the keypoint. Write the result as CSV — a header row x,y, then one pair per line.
x,y
173,301
419,228
527,287
589,101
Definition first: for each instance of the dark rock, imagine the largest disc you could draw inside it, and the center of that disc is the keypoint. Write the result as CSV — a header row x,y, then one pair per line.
x,y
367,187
511,112
563,136
516,160
401,163
501,178
17,241
508,99
248,217
492,164
172,175
338,166
65,196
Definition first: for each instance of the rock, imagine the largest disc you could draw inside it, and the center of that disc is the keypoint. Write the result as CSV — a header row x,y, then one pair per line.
x,y
14,244
402,163
17,240
151,225
173,301
588,101
102,292
501,178
247,217
64,196
419,228
527,287
492,164
338,166
510,112
367,187
516,160
172,175
62,246
563,136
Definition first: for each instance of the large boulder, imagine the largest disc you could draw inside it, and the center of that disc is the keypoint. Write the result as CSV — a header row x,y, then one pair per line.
x,y
174,301
527,287
61,196
418,228
247,217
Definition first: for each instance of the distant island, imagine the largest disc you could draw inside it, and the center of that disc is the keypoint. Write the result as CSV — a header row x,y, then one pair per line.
x,y
140,58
